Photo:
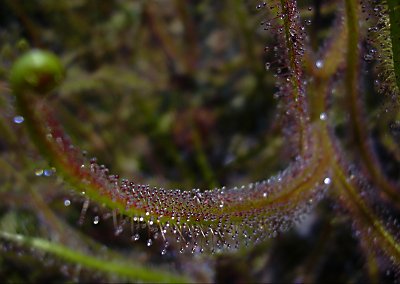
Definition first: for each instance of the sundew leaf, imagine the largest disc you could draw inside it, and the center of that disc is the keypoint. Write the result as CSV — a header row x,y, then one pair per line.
x,y
290,51
211,220
394,16
130,270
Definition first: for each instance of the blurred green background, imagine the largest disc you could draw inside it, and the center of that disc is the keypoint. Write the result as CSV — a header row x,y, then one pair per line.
x,y
172,93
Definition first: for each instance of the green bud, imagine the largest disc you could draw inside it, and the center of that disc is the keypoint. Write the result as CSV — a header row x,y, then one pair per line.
x,y
37,70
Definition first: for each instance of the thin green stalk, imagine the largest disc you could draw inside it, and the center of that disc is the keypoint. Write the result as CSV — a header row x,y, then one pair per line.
x,y
387,240
394,16
121,268
360,135
293,44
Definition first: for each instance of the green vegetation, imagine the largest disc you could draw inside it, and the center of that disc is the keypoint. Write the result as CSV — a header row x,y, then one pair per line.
x,y
175,94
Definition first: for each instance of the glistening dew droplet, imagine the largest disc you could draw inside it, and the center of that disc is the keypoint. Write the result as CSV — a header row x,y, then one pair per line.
x,y
18,119
67,202
319,64
327,181
323,116
48,172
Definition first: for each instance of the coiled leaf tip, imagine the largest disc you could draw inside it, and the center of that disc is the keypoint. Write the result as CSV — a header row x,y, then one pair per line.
x,y
37,70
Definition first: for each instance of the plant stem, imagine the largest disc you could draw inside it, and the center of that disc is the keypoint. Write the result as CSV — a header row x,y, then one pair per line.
x,y
121,268
394,16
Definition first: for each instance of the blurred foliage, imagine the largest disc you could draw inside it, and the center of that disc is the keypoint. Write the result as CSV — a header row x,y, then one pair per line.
x,y
169,92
